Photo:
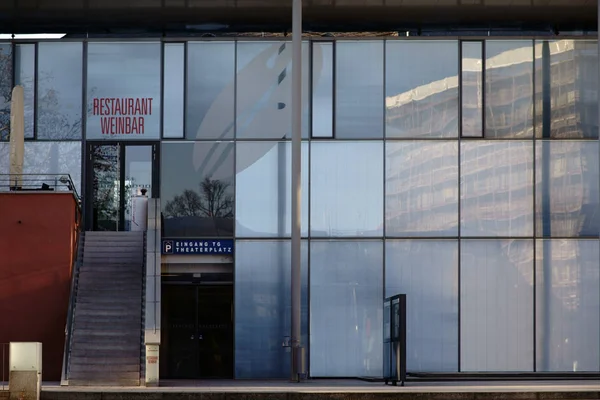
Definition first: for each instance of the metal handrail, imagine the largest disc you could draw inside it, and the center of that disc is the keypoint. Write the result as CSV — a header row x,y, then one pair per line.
x,y
38,182
77,257
4,350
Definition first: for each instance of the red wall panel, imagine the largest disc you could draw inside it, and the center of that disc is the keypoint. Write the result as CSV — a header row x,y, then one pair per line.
x,y
38,234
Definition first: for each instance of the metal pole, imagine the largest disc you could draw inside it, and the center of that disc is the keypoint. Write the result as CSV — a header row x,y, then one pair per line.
x,y
296,176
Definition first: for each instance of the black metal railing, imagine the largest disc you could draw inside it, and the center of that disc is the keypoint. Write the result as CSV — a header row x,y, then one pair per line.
x,y
38,182
4,348
77,258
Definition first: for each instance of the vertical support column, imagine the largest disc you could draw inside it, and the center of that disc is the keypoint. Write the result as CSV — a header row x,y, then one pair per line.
x,y
153,294
296,184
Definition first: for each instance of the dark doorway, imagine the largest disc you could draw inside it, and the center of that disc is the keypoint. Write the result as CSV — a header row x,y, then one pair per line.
x,y
197,333
116,173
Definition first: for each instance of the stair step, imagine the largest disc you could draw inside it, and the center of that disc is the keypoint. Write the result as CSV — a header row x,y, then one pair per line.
x,y
108,268
101,298
108,296
102,295
120,309
117,278
108,326
99,382
106,368
122,312
106,348
130,341
89,234
101,360
113,259
104,375
88,288
99,352
115,333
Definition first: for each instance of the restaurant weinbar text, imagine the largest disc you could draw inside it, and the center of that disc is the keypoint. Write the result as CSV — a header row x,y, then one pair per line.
x,y
122,116
197,246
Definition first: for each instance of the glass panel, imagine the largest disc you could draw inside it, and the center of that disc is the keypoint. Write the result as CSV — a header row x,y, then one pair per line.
x,y
4,160
509,89
263,189
346,314
263,308
197,189
359,89
123,91
210,90
6,85
106,167
421,85
496,188
472,89
174,82
566,89
568,300
60,158
138,177
421,188
25,76
496,305
322,89
346,193
59,92
567,189
264,90
427,272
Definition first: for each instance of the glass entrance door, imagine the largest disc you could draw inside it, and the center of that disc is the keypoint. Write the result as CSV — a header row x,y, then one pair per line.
x,y
116,174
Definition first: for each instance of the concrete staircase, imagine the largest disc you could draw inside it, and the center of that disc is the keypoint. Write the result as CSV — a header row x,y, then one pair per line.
x,y
105,343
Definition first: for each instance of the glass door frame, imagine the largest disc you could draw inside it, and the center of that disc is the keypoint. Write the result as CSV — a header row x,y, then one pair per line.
x,y
89,176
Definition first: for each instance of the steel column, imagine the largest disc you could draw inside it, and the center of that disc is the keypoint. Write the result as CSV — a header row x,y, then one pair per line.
x,y
296,185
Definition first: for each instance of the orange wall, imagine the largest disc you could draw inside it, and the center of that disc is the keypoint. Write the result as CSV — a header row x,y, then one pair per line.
x,y
37,242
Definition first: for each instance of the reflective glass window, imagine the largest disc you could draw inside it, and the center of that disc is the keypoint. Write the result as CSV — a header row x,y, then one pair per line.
x,y
421,89
567,303
322,89
496,188
264,187
173,88
210,96
263,307
25,76
123,91
4,161
59,90
427,272
6,86
496,305
567,188
359,89
508,89
421,188
566,89
346,193
346,308
47,161
197,189
264,90
472,89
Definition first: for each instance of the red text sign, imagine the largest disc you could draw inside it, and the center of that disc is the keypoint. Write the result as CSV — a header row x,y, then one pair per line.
x,y
122,116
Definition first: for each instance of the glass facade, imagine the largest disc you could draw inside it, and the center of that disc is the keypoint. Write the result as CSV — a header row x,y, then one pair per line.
x,y
462,173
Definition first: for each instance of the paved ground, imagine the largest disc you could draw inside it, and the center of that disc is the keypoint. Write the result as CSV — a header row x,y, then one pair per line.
x,y
344,386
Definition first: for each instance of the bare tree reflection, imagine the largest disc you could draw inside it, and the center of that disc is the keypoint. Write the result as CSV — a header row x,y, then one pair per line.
x,y
213,202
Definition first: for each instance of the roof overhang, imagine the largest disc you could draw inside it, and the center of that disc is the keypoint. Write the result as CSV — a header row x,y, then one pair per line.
x,y
73,16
